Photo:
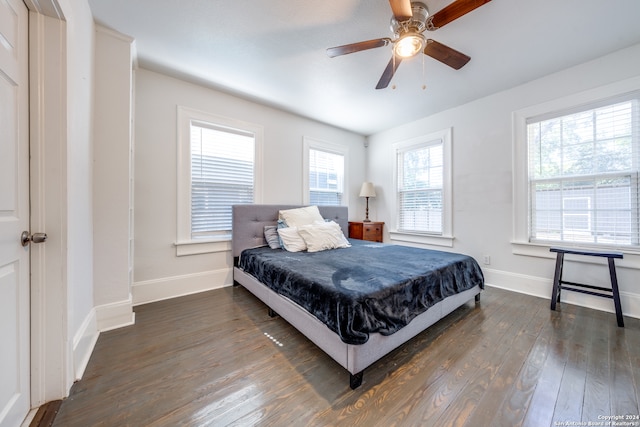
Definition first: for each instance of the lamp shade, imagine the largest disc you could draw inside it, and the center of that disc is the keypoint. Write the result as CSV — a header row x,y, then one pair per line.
x,y
367,190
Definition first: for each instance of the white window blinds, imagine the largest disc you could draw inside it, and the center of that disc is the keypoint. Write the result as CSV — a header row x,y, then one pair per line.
x,y
222,174
583,174
420,188
326,177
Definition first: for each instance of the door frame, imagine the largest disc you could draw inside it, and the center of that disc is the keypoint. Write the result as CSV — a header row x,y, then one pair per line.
x,y
51,348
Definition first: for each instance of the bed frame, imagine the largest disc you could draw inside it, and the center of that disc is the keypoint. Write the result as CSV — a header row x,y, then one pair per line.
x,y
248,232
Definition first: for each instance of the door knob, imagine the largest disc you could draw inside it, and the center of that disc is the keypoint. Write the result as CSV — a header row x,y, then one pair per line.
x,y
25,238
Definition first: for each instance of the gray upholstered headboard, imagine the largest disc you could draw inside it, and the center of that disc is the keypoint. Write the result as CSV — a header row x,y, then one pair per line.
x,y
249,221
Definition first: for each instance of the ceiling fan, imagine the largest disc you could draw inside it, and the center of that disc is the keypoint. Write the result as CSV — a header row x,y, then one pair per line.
x,y
409,21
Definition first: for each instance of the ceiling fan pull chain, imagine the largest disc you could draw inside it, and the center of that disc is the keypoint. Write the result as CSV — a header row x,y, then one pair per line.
x,y
395,66
424,73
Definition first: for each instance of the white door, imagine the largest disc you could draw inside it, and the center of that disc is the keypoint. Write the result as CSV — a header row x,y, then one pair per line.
x,y
14,214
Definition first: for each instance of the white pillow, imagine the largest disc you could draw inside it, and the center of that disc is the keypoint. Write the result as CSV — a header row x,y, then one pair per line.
x,y
300,216
321,236
291,240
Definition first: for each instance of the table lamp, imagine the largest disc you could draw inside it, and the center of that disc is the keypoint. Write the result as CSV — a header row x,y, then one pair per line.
x,y
367,191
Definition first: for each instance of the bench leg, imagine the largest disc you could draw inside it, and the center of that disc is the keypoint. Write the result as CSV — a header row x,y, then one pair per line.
x,y
557,278
616,292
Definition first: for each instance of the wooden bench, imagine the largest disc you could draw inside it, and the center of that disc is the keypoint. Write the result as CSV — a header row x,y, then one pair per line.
x,y
559,284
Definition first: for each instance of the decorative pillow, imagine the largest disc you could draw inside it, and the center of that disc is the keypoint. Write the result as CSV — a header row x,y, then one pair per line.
x,y
281,224
291,240
300,216
271,236
321,236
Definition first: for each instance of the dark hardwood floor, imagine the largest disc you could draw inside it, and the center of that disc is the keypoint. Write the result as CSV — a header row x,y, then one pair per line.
x,y
218,359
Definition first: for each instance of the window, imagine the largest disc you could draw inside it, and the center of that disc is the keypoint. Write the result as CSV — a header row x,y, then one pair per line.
x,y
222,163
420,188
326,177
218,166
324,169
583,175
577,171
423,189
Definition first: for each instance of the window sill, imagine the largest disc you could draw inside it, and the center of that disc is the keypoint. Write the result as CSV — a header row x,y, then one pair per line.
x,y
541,250
425,239
195,247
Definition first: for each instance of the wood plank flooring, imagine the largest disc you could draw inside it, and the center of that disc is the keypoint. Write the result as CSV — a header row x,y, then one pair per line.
x,y
217,358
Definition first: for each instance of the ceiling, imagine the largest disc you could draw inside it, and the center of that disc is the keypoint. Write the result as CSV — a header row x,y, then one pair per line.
x,y
273,52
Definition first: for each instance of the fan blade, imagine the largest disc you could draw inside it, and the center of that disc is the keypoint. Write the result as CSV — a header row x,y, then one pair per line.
x,y
388,73
401,9
445,54
357,47
452,12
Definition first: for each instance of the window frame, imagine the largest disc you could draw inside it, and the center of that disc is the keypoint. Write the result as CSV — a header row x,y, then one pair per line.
x,y
521,244
446,237
308,144
185,244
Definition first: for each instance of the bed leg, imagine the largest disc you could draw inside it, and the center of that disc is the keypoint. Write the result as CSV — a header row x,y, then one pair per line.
x,y
355,380
272,313
477,297
235,284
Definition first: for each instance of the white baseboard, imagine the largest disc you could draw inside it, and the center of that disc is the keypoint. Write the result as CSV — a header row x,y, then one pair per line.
x,y
170,287
83,343
541,287
115,315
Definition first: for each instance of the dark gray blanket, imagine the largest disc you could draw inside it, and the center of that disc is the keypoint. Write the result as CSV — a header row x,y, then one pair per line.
x,y
370,287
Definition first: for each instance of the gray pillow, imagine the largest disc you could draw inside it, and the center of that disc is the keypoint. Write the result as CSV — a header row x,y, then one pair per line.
x,y
271,236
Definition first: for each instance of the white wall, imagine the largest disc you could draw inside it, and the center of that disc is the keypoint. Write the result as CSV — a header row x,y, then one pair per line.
x,y
158,273
80,38
112,198
80,50
482,180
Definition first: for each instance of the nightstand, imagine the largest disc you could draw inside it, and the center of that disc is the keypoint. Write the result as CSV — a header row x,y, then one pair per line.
x,y
371,231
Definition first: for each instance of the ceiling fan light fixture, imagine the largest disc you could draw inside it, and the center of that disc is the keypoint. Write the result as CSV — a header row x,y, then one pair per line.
x,y
407,27
409,45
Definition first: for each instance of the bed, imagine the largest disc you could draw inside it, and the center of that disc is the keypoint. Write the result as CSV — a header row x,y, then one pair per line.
x,y
353,337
